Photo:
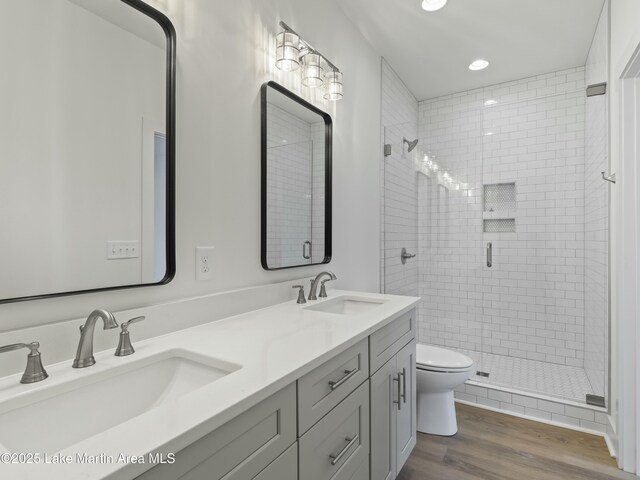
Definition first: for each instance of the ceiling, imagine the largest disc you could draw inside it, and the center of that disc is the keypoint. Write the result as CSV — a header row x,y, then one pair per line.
x,y
431,51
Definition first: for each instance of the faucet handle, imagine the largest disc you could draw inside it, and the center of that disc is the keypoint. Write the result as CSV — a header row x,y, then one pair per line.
x,y
34,372
323,289
124,344
301,298
126,324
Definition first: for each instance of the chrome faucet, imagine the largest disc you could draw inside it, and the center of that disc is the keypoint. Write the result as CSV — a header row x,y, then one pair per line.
x,y
84,355
316,281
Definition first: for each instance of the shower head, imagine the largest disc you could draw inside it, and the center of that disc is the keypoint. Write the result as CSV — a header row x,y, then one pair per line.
x,y
411,144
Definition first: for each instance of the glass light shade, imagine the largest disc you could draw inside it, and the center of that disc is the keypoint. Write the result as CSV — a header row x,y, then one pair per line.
x,y
287,51
334,85
312,70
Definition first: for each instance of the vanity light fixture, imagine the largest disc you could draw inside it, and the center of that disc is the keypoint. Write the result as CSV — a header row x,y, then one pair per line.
x,y
293,51
334,85
287,51
479,64
433,5
312,71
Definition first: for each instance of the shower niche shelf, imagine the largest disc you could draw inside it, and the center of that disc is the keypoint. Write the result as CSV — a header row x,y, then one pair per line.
x,y
499,225
499,208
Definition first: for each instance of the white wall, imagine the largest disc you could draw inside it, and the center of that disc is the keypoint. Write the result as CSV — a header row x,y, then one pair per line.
x,y
624,38
224,55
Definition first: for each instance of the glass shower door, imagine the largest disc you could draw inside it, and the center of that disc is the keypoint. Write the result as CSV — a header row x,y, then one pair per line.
x,y
544,225
434,188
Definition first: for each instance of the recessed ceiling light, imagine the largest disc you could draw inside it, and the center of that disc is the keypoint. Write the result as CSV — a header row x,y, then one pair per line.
x,y
490,102
433,5
479,64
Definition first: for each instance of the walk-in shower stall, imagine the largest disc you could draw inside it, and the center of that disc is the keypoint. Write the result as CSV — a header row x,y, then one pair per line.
x,y
503,202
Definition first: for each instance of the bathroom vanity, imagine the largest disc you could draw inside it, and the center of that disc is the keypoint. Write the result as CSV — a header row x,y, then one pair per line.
x,y
324,390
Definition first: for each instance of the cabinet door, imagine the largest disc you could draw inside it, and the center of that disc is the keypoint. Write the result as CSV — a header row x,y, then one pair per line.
x,y
383,422
406,414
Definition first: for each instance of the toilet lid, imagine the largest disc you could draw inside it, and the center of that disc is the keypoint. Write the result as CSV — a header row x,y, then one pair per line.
x,y
428,356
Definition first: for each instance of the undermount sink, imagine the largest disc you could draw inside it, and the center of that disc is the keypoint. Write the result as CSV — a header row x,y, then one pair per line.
x,y
77,410
347,305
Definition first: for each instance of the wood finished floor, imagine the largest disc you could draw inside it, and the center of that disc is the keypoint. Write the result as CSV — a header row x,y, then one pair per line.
x,y
493,446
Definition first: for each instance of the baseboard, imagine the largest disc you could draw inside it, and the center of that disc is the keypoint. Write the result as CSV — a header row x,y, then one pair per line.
x,y
610,446
611,437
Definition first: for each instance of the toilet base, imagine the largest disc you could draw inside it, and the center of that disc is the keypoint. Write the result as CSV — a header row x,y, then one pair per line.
x,y
437,414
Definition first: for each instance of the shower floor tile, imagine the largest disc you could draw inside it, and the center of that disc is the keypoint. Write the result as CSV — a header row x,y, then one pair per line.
x,y
533,376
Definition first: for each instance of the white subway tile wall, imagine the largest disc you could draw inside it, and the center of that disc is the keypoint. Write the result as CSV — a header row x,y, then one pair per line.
x,y
530,303
295,148
399,203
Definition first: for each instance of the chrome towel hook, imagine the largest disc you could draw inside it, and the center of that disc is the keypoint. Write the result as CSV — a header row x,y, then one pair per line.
x,y
610,178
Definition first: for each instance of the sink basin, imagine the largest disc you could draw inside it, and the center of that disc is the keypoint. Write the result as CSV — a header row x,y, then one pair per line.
x,y
87,406
347,305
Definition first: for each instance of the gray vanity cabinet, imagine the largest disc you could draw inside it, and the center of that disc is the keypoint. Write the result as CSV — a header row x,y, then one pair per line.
x,y
393,396
351,418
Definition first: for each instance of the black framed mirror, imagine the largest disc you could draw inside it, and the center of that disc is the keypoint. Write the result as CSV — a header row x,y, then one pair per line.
x,y
296,180
87,196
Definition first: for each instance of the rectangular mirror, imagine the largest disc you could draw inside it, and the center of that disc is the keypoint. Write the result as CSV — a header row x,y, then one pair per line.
x,y
87,134
296,180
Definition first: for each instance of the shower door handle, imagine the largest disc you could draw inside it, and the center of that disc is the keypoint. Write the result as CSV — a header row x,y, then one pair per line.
x,y
306,255
489,254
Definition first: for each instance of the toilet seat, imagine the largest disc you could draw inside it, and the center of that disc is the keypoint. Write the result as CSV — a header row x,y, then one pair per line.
x,y
436,359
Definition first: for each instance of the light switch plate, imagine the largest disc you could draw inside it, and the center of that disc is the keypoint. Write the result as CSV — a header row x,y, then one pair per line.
x,y
204,260
122,249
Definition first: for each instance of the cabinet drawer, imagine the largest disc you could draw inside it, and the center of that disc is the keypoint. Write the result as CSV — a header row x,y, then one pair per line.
x,y
326,386
336,447
239,449
285,467
387,341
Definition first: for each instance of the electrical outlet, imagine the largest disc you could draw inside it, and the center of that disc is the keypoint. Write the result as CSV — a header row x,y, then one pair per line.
x,y
204,260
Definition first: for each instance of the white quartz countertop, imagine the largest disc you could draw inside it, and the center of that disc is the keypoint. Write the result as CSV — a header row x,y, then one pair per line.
x,y
273,346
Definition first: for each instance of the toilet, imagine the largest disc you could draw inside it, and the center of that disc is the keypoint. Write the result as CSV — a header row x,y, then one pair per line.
x,y
439,372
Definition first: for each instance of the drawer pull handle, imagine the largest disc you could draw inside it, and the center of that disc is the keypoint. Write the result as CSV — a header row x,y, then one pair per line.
x,y
347,375
397,379
351,441
404,385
